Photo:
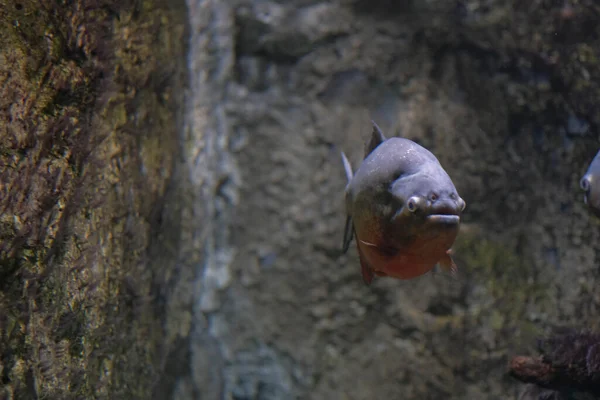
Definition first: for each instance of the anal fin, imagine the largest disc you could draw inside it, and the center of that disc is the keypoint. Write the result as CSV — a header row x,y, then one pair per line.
x,y
367,273
365,268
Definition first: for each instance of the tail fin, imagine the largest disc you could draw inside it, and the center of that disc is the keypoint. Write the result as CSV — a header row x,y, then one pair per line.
x,y
347,167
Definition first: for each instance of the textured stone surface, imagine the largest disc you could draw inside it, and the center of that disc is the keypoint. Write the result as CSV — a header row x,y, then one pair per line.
x,y
227,281
502,92
90,93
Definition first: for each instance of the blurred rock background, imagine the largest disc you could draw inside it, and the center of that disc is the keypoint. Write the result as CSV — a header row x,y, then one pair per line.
x,y
242,257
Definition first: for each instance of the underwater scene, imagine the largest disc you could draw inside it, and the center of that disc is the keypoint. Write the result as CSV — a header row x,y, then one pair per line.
x,y
300,199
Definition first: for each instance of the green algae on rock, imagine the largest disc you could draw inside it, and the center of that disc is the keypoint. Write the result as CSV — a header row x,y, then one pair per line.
x,y
90,93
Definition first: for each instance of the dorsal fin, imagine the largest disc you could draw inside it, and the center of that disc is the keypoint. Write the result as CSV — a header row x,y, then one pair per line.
x,y
377,138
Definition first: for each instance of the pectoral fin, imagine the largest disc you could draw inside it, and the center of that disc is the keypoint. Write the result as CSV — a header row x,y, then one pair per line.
x,y
447,264
348,233
386,251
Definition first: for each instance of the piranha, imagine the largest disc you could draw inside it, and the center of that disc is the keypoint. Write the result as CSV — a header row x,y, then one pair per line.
x,y
403,209
590,184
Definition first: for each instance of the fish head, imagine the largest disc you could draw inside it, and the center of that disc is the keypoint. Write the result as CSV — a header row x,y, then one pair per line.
x,y
427,206
590,184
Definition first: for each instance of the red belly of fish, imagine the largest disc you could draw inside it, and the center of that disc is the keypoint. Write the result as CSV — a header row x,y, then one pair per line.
x,y
407,263
408,267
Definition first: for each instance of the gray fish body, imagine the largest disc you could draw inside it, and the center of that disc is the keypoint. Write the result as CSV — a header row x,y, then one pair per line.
x,y
590,184
393,172
397,169
399,201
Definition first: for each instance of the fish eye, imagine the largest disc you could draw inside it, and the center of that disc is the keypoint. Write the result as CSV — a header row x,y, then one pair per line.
x,y
584,183
433,197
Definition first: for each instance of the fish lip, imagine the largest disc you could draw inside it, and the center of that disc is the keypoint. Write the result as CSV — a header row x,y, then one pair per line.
x,y
444,218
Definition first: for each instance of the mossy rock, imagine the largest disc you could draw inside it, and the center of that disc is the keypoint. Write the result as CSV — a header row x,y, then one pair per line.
x,y
90,95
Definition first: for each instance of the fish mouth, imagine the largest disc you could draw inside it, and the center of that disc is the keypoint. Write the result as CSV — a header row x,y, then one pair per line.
x,y
444,219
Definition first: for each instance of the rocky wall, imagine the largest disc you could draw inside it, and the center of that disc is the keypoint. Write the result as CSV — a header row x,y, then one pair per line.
x,y
91,111
502,92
